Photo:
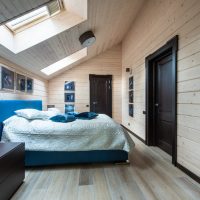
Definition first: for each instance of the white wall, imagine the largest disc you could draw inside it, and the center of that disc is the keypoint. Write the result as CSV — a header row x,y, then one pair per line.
x,y
157,22
106,63
40,86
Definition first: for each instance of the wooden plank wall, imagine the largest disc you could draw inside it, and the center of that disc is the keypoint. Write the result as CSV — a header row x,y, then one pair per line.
x,y
157,22
106,63
40,86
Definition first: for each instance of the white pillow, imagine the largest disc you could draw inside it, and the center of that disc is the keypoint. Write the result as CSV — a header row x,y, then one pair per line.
x,y
55,110
31,114
50,114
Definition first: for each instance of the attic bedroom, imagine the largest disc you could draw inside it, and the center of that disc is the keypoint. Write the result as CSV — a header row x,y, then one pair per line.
x,y
99,99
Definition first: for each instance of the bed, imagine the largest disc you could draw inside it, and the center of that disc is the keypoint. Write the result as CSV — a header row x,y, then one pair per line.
x,y
41,157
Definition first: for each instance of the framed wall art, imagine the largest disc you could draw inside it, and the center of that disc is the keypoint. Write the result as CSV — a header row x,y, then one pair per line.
x,y
131,110
20,83
7,79
69,97
131,96
69,86
131,83
29,85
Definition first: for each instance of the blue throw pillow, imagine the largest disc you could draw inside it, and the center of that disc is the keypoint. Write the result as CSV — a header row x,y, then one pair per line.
x,y
58,118
63,118
86,115
70,118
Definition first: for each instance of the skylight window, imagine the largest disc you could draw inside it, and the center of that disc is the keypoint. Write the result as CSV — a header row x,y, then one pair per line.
x,y
65,62
34,17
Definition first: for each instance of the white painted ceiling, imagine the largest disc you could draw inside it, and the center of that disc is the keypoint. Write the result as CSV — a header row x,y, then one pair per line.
x,y
108,19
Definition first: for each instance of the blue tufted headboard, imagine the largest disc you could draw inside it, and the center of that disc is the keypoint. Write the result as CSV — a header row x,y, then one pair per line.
x,y
7,108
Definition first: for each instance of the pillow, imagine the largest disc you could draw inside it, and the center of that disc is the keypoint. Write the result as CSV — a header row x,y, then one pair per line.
x,y
31,114
50,114
86,115
63,118
55,110
70,118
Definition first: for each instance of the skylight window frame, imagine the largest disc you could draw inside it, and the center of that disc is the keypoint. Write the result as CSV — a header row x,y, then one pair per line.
x,y
65,62
33,20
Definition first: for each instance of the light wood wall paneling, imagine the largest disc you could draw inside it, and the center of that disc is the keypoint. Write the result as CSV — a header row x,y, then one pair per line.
x,y
109,60
156,23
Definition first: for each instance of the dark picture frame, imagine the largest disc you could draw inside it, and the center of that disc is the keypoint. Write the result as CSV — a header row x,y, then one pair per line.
x,y
131,83
69,97
69,86
131,110
29,85
20,83
131,96
7,79
69,108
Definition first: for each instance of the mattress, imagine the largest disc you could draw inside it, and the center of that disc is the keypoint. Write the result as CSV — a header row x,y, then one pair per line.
x,y
101,133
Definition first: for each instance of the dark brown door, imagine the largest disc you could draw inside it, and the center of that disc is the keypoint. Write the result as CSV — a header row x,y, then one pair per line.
x,y
163,103
161,98
101,94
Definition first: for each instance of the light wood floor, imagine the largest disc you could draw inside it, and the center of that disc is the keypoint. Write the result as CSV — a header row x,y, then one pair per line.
x,y
150,176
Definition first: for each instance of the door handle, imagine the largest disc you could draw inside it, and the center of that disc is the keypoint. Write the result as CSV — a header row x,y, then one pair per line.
x,y
94,102
156,104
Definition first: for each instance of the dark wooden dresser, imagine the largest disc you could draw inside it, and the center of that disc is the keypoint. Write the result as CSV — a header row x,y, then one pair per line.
x,y
12,169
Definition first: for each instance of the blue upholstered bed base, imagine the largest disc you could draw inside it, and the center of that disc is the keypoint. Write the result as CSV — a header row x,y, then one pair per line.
x,y
42,158
37,158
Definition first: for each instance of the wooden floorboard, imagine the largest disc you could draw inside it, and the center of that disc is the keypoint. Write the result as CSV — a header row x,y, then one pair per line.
x,y
150,176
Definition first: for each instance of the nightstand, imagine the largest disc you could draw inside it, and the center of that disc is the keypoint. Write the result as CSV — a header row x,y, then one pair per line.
x,y
12,169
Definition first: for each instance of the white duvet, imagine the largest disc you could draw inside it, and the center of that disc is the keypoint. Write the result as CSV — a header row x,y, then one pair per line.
x,y
101,133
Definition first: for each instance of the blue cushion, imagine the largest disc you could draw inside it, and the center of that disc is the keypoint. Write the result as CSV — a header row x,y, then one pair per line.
x,y
70,118
86,115
63,118
1,129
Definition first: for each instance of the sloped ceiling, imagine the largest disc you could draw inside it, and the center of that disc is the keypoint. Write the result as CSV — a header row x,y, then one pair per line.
x,y
10,9
108,19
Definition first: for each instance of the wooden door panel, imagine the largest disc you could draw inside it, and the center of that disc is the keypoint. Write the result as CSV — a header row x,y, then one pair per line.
x,y
164,136
164,112
101,94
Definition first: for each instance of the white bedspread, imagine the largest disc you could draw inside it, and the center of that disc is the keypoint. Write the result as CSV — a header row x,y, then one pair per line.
x,y
101,133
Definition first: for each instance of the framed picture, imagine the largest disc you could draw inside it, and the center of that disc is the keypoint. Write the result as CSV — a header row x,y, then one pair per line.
x,y
131,86
69,97
69,86
20,82
131,110
69,108
7,79
29,85
131,96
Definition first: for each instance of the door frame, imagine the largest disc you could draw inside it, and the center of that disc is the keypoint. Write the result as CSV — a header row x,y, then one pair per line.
x,y
171,47
110,99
